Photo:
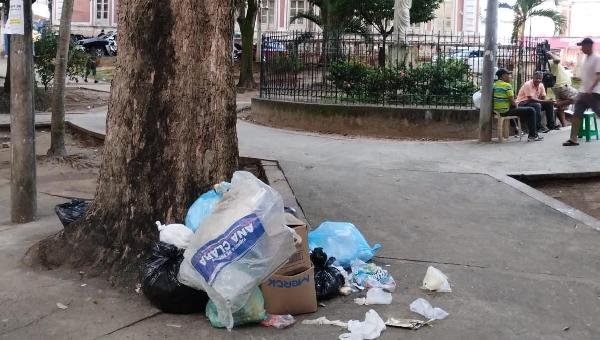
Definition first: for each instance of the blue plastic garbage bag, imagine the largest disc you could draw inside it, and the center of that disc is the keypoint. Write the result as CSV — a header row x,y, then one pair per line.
x,y
204,205
343,241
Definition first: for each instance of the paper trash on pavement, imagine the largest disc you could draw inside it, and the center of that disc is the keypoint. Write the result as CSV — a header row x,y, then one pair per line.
x,y
436,281
406,323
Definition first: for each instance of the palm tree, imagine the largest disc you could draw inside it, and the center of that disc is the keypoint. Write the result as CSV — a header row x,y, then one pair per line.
x,y
526,9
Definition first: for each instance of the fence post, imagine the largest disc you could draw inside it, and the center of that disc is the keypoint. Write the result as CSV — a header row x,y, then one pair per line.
x,y
489,58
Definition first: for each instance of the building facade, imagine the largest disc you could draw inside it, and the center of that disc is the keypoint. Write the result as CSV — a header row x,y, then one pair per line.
x,y
89,16
454,16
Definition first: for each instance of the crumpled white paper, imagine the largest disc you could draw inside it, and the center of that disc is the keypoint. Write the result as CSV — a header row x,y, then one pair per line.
x,y
423,307
375,296
435,280
371,328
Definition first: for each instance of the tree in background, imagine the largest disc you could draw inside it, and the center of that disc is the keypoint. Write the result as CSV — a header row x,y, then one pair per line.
x,y
57,131
246,18
171,134
423,10
526,9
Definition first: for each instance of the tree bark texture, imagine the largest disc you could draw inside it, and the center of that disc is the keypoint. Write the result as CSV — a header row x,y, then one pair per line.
x,y
246,22
57,141
171,131
23,192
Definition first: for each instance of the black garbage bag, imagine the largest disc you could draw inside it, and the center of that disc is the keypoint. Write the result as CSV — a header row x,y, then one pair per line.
x,y
71,211
328,280
160,284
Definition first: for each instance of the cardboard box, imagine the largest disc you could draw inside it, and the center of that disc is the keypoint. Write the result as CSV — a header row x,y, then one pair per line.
x,y
300,260
293,294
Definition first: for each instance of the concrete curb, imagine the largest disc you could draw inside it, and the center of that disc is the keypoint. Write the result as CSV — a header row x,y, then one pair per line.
x,y
279,182
553,203
93,134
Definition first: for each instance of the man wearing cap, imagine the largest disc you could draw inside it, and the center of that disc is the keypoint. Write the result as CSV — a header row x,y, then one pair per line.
x,y
589,92
504,103
533,94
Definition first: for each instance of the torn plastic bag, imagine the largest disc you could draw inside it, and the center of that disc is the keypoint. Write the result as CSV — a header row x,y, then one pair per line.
x,y
204,205
371,328
252,312
423,307
343,241
175,234
370,275
375,296
71,211
160,285
328,280
435,280
241,243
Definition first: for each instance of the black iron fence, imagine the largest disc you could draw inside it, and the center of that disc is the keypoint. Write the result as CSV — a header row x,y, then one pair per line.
x,y
435,70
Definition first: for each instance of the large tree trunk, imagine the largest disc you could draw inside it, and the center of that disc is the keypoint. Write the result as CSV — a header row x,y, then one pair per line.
x,y
170,132
57,141
246,23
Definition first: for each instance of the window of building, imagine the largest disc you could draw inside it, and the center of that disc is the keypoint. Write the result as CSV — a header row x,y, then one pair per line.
x,y
297,6
102,9
268,12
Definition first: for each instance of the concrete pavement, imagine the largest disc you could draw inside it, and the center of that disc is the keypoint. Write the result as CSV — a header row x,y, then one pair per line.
x,y
520,269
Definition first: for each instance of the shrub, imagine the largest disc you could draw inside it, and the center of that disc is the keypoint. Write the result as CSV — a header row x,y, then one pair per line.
x,y
284,63
45,54
440,82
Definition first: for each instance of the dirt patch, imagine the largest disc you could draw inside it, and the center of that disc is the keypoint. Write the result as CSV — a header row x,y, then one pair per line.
x,y
76,99
583,194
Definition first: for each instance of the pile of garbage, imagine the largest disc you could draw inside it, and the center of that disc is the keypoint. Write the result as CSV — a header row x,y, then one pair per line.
x,y
243,258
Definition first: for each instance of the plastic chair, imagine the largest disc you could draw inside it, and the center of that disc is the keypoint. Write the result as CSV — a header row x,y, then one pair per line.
x,y
585,129
504,128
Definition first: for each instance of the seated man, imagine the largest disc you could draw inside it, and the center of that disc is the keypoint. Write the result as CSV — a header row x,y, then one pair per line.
x,y
533,94
504,103
563,88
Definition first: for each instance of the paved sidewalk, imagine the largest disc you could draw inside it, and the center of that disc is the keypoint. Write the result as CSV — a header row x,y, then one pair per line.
x,y
519,268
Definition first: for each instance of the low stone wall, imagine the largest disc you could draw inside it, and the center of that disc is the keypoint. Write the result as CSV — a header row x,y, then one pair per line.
x,y
368,120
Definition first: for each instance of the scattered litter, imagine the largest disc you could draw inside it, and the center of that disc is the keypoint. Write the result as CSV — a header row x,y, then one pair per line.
x,y
423,307
435,280
278,321
321,304
371,328
174,325
370,275
204,205
324,321
176,234
328,280
406,323
566,328
83,284
343,241
71,211
375,296
138,288
61,306
387,265
160,284
345,291
243,241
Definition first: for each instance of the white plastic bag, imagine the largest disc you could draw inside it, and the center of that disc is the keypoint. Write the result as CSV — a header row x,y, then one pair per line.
x,y
371,328
241,243
175,234
435,280
477,99
375,296
423,307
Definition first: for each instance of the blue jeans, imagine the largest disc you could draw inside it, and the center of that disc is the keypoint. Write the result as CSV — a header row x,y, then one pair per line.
x,y
539,107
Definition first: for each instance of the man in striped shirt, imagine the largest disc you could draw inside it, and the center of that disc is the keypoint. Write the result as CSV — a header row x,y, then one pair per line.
x,y
504,103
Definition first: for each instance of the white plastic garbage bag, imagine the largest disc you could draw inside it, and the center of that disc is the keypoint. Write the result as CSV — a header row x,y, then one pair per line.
x,y
375,296
423,307
176,234
371,328
435,280
241,243
477,99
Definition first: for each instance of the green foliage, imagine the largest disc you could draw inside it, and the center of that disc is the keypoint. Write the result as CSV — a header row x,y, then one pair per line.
x,y
45,54
286,63
444,82
423,10
526,9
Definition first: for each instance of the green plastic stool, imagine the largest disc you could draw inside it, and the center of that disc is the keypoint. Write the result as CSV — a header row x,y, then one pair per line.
x,y
585,129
